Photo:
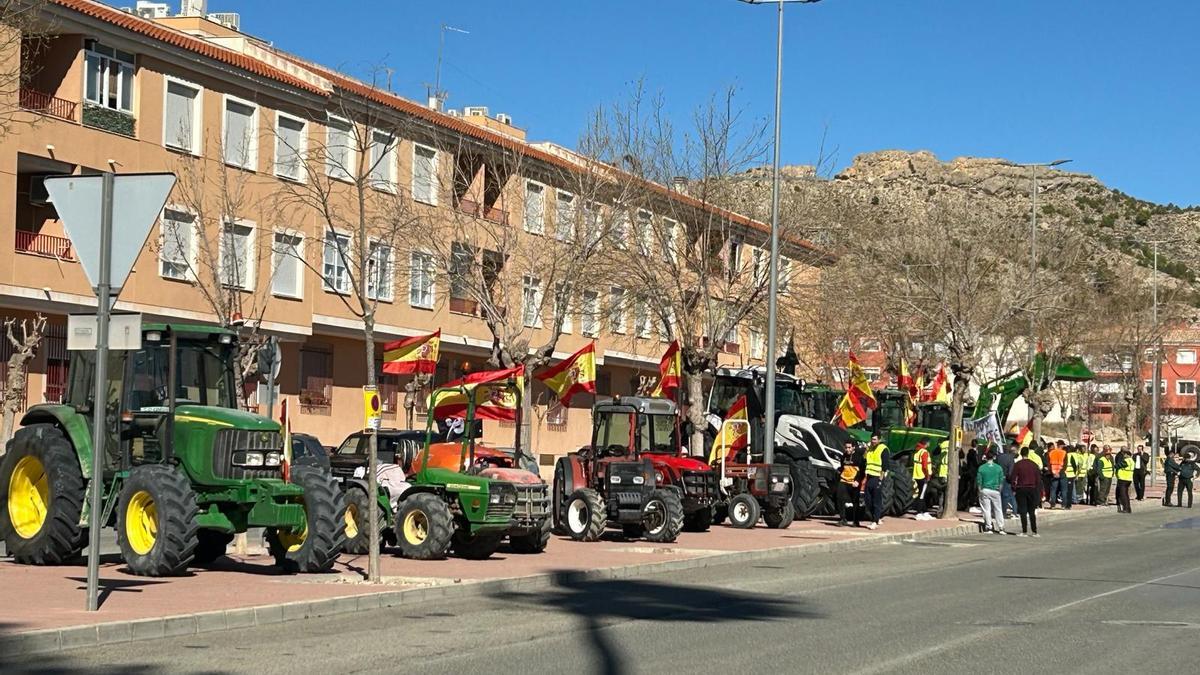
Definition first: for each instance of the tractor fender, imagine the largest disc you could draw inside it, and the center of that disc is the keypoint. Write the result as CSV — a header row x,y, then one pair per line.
x,y
77,428
381,494
420,489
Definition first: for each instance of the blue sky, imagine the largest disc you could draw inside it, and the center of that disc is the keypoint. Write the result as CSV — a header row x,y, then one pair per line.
x,y
1111,84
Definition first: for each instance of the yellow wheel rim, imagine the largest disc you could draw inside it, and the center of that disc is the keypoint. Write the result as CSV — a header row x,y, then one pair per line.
x,y
416,527
292,541
141,522
28,497
351,521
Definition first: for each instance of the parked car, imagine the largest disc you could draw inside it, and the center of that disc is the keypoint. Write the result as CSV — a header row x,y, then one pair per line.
x,y
308,451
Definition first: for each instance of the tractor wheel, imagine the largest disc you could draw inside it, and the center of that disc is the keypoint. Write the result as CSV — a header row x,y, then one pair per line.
x,y
901,497
744,511
475,547
780,519
662,516
534,542
210,546
585,515
156,521
720,513
42,493
806,488
316,547
424,527
358,533
698,521
558,496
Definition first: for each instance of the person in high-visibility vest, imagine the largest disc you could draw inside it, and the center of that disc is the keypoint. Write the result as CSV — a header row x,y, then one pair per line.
x,y
1081,472
1124,480
1057,459
1106,469
875,462
922,472
1093,482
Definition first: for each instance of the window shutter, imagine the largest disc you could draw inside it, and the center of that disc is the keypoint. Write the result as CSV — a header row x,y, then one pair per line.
x,y
178,119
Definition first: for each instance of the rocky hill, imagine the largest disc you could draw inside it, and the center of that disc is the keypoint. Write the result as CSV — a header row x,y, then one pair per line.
x,y
1120,225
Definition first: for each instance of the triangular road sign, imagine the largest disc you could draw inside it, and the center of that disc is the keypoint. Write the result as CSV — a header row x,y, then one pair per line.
x,y
138,199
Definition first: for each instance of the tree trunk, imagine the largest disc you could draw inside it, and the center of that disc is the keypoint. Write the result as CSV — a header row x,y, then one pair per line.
x,y
695,413
524,433
373,515
1131,420
961,381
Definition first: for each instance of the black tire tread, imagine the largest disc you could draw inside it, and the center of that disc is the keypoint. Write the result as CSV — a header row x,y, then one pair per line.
x,y
475,547
325,509
533,542
751,505
780,519
441,527
61,538
674,525
597,515
361,543
177,537
210,546
806,488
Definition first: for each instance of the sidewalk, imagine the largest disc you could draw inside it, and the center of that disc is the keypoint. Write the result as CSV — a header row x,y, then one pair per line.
x,y
246,590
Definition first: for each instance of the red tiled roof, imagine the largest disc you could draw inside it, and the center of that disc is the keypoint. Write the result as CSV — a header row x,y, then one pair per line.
x,y
141,26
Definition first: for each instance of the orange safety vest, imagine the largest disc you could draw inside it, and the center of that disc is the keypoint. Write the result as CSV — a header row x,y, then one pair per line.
x,y
850,474
1057,458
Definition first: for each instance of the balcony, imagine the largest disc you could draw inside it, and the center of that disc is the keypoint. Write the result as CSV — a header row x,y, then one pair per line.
x,y
46,104
478,210
108,119
45,245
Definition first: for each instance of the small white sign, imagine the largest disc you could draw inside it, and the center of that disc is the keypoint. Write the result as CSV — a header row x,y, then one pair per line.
x,y
124,332
360,471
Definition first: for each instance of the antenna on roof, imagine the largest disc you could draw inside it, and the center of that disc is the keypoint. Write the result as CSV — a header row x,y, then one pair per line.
x,y
436,96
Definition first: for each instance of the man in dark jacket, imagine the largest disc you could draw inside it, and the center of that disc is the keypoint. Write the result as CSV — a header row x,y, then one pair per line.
x,y
1141,467
1187,471
1171,471
1027,483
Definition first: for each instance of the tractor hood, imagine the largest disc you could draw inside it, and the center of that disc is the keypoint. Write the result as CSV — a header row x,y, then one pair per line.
x,y
676,462
225,418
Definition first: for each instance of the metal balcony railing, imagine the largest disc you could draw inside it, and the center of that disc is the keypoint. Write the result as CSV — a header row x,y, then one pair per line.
x,y
41,102
50,246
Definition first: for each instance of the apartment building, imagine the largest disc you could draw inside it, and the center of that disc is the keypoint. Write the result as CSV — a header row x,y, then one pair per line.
x,y
146,91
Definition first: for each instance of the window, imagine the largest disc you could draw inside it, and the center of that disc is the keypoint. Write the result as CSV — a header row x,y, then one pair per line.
x,y
785,274
181,117
670,242
870,345
1185,357
380,274
562,307
1185,387
109,78
289,146
841,345
316,380
287,271
237,256
1126,363
620,230
871,373
732,339
335,272
641,318
564,216
420,280
462,266
762,265
240,139
616,310
535,208
383,160
424,180
589,319
592,223
758,344
178,235
339,149
645,230
733,256
531,302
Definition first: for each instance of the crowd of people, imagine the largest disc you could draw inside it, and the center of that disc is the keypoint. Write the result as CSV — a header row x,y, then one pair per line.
x,y
1000,482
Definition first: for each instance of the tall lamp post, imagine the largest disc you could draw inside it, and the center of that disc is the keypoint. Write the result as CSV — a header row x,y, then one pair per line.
x,y
773,269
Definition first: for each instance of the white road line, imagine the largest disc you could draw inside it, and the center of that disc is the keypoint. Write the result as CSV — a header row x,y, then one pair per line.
x,y
1117,590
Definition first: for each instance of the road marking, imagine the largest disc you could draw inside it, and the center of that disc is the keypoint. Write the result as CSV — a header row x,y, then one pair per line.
x,y
1154,624
1118,590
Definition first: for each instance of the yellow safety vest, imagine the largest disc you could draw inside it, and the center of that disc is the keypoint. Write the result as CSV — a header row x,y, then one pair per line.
x,y
943,460
1089,461
918,464
1071,465
875,460
1106,467
1036,459
1126,473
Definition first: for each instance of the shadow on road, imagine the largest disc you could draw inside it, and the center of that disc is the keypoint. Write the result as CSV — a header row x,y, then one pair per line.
x,y
109,586
597,602
68,662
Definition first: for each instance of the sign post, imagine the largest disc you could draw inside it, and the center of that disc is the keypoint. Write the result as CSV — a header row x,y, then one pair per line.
x,y
87,206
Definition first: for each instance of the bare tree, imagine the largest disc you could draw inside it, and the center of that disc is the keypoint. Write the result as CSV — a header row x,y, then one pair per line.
x,y
23,336
23,35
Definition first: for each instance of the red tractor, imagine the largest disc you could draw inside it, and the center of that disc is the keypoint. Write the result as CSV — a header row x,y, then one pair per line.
x,y
633,475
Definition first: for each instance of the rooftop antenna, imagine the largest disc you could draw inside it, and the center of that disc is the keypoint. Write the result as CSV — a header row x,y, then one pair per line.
x,y
437,96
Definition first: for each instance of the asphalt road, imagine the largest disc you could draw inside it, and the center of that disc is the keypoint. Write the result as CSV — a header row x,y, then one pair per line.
x,y
1104,594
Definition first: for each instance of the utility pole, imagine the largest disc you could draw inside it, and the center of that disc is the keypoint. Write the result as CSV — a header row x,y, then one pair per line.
x,y
1156,382
436,96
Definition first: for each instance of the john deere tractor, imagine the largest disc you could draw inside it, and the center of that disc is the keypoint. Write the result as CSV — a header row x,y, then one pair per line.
x,y
183,468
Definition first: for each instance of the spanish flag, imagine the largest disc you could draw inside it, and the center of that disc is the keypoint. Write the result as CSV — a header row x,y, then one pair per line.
x,y
412,355
670,368
495,398
734,433
858,399
904,381
939,388
575,374
1025,435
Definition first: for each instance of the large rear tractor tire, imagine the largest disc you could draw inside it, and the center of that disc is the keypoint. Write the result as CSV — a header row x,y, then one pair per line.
x,y
210,546
558,496
316,548
358,510
744,511
533,542
41,496
698,521
475,547
898,497
424,527
156,521
806,488
780,519
585,515
662,517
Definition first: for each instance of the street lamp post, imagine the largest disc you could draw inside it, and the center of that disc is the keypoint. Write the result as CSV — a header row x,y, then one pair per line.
x,y
773,269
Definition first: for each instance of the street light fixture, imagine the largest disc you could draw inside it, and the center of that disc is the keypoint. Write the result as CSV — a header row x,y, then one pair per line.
x,y
773,269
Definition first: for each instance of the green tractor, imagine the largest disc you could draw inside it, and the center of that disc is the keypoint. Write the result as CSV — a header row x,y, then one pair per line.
x,y
184,469
468,498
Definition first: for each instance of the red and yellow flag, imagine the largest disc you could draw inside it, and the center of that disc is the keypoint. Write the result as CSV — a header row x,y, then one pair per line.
x,y
418,354
494,398
670,369
905,382
939,388
859,398
575,374
734,433
1025,435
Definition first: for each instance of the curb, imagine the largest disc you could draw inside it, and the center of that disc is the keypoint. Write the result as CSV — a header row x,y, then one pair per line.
x,y
118,632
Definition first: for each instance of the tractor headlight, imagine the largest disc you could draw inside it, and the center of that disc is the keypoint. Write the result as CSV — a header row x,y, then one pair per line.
x,y
639,480
658,476
787,479
510,498
774,479
244,458
494,498
614,479
272,459
225,339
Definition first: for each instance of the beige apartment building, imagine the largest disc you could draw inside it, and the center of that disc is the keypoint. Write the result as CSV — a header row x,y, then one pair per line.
x,y
118,91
